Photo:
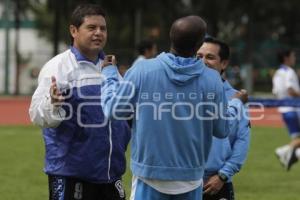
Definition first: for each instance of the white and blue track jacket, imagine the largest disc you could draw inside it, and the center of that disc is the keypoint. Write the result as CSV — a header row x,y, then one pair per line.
x,y
79,141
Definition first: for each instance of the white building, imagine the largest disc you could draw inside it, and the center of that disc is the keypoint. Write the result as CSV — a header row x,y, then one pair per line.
x,y
35,52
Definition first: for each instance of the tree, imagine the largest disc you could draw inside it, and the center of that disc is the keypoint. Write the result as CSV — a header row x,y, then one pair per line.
x,y
244,24
19,10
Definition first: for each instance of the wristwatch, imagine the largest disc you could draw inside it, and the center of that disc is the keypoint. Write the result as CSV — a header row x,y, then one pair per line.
x,y
223,177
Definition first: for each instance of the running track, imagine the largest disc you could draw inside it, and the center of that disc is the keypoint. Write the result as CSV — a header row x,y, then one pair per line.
x,y
14,111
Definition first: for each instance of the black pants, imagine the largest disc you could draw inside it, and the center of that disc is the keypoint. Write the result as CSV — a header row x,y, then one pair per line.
x,y
226,193
65,188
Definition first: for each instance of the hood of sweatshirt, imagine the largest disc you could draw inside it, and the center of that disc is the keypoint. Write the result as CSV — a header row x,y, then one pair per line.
x,y
181,70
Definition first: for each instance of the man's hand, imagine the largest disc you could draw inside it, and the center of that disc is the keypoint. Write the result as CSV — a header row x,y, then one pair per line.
x,y
55,94
109,60
213,185
242,95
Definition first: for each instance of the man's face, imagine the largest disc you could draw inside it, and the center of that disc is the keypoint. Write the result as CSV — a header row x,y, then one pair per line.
x,y
150,53
209,52
91,36
291,59
153,51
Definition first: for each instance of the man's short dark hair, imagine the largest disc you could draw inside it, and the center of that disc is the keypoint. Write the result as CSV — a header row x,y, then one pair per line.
x,y
145,45
224,52
84,10
283,53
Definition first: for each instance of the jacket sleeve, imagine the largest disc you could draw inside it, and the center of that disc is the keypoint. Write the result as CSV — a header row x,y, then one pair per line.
x,y
229,115
234,113
276,80
239,140
41,111
118,97
220,123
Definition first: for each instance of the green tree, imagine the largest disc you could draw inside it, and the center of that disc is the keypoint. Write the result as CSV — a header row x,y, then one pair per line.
x,y
244,24
19,12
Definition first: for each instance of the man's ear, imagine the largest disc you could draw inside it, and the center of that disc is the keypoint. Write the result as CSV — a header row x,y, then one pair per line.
x,y
224,64
73,30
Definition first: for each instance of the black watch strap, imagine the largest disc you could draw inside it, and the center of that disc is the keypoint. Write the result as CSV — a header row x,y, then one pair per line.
x,y
223,177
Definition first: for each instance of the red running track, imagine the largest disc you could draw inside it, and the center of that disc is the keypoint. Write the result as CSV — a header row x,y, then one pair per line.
x,y
14,111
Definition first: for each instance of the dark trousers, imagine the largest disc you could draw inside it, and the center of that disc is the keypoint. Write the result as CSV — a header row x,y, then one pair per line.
x,y
226,193
66,188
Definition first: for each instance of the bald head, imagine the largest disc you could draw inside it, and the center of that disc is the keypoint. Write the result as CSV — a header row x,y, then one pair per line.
x,y
187,35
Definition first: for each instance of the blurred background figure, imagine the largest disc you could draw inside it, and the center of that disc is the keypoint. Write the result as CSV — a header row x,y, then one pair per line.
x,y
122,68
146,49
286,86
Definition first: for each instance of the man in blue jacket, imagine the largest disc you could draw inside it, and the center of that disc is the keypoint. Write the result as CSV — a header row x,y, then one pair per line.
x,y
227,155
177,104
85,154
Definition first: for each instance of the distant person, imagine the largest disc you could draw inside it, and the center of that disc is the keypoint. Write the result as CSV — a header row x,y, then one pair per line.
x,y
176,102
147,49
227,155
286,86
289,154
85,154
295,144
122,68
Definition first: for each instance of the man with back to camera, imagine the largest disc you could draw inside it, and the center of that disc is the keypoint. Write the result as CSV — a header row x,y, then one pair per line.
x,y
227,155
171,99
85,154
286,86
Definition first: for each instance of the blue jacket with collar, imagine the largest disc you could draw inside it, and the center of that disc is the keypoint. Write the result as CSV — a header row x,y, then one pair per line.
x,y
227,155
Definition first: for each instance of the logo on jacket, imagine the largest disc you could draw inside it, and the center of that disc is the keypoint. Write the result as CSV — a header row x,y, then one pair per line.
x,y
120,188
78,191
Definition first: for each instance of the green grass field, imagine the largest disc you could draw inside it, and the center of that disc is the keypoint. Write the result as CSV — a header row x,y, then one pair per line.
x,y
262,178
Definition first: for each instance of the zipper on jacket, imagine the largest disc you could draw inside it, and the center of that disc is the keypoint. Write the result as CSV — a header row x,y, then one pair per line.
x,y
110,149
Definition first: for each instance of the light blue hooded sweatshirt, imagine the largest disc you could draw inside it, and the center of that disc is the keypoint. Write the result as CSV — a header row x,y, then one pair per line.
x,y
176,104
